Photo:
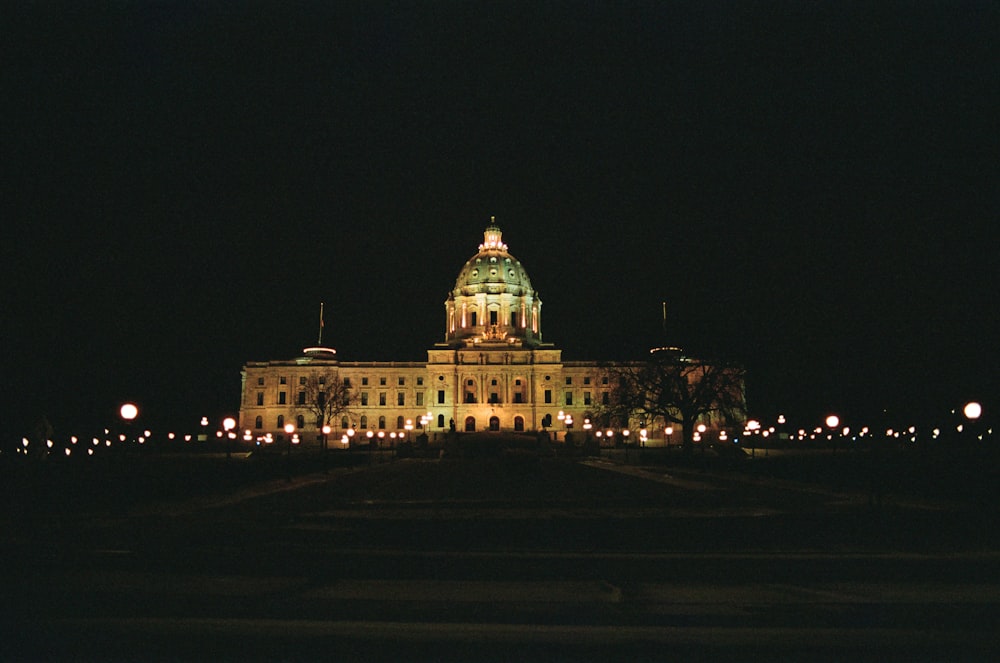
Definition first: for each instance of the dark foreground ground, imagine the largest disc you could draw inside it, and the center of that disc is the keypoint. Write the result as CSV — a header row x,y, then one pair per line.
x,y
487,559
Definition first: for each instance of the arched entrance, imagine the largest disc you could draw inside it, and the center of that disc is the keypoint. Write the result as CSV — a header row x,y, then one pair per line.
x,y
494,424
470,424
519,424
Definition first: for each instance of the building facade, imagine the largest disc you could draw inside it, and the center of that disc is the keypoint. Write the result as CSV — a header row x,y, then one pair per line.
x,y
492,372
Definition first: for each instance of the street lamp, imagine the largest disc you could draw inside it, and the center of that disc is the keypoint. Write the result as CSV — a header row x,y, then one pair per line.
x,y
972,411
326,432
228,424
128,412
832,421
753,428
289,431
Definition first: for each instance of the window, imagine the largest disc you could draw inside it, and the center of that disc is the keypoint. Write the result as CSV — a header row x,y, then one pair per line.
x,y
420,398
381,381
364,398
343,423
260,382
440,395
569,380
260,398
517,382
470,382
493,382
281,398
586,380
347,382
494,397
364,381
281,421
364,422
381,398
518,397
569,398
586,398
381,422
402,381
472,319
322,379
513,323
440,421
302,398
518,424
605,398
548,395
282,380
401,398
604,380
300,422
399,422
420,382
302,379
258,423
493,317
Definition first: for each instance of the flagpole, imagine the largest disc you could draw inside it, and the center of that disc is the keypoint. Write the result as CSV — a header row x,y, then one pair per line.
x,y
320,341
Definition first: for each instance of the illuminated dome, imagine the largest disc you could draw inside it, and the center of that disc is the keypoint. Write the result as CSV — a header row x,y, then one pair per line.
x,y
492,270
493,301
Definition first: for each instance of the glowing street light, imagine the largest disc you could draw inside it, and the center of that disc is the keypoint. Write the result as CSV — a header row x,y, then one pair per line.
x,y
129,411
972,410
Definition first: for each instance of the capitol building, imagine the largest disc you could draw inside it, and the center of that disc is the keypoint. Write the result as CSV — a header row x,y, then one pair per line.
x,y
492,371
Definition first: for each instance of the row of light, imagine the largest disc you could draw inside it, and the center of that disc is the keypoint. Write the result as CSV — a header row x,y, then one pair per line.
x,y
972,411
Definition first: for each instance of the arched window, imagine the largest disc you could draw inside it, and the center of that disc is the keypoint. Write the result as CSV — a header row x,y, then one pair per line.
x,y
258,423
470,424
343,423
300,421
494,424
440,421
281,421
399,422
519,423
381,422
364,421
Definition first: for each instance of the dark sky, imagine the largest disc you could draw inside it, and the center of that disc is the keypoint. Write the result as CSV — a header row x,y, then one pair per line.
x,y
811,186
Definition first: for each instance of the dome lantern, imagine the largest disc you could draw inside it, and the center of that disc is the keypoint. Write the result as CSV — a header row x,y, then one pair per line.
x,y
492,238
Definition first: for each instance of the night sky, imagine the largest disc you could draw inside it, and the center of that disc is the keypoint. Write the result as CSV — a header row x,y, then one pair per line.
x,y
812,188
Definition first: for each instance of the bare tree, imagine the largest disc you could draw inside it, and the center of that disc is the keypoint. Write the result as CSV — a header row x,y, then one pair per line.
x,y
327,397
677,389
